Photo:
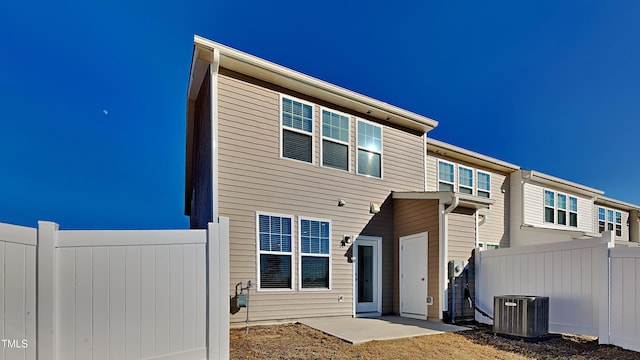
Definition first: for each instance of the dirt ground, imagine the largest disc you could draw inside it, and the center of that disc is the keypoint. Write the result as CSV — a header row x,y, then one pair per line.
x,y
296,341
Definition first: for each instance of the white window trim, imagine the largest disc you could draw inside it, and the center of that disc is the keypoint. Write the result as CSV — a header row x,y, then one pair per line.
x,y
615,222
301,254
478,190
473,180
258,251
358,147
544,206
607,222
453,184
313,129
322,138
603,220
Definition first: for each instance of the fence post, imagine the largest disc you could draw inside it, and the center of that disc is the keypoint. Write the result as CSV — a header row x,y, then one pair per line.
x,y
46,290
604,288
218,289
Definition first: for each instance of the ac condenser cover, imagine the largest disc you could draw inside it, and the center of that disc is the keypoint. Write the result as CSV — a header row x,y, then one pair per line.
x,y
521,315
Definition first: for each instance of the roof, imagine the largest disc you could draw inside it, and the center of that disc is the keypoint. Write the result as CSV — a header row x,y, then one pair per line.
x,y
261,69
606,201
452,151
445,197
560,183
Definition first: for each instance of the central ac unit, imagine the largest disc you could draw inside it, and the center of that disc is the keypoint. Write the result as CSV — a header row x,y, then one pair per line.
x,y
521,315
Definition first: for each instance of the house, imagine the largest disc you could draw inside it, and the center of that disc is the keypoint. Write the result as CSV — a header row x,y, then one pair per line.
x,y
305,172
340,205
546,209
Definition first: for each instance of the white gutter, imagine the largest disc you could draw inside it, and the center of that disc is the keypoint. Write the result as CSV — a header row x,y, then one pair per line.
x,y
443,223
213,72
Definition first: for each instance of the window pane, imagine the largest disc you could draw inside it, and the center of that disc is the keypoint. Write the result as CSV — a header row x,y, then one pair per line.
x,y
314,237
573,219
465,190
465,177
274,233
335,155
562,217
335,126
548,214
275,271
297,115
601,214
315,272
484,181
609,226
610,215
548,198
601,226
573,204
369,163
618,230
445,172
369,136
562,201
296,146
445,187
618,217
483,194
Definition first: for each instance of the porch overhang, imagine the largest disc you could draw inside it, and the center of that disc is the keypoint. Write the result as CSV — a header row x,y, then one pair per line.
x,y
446,198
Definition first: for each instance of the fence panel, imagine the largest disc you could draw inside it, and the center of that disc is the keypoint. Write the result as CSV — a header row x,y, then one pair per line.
x,y
17,292
130,294
572,274
625,297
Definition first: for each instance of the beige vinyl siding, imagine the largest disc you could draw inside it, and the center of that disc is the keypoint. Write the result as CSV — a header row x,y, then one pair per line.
x,y
495,228
462,234
413,217
253,177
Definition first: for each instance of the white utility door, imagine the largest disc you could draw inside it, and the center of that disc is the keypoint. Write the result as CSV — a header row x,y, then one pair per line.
x,y
413,275
367,285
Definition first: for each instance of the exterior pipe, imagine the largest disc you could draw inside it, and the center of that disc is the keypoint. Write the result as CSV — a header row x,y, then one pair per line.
x,y
443,222
213,72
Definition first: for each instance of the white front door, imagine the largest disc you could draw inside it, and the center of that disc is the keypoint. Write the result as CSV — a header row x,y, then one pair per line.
x,y
413,275
367,285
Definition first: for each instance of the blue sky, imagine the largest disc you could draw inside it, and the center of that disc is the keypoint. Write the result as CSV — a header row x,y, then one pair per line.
x,y
92,94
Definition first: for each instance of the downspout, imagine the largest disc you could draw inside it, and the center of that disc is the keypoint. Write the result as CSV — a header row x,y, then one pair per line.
x,y
424,159
444,249
213,72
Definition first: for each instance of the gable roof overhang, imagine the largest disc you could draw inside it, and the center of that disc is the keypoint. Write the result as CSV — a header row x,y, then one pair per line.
x,y
613,203
446,198
458,153
560,184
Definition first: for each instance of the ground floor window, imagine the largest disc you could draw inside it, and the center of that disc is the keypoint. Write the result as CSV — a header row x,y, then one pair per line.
x,y
315,253
275,252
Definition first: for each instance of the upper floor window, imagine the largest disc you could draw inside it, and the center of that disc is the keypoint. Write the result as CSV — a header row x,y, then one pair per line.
x,y
315,254
275,252
465,180
297,130
549,206
618,223
445,176
573,211
335,140
484,184
601,220
609,219
562,209
369,149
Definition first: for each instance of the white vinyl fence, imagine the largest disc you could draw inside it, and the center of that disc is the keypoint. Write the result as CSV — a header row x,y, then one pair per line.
x,y
593,288
114,294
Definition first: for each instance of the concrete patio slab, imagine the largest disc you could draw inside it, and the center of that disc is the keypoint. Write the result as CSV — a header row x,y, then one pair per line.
x,y
359,330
